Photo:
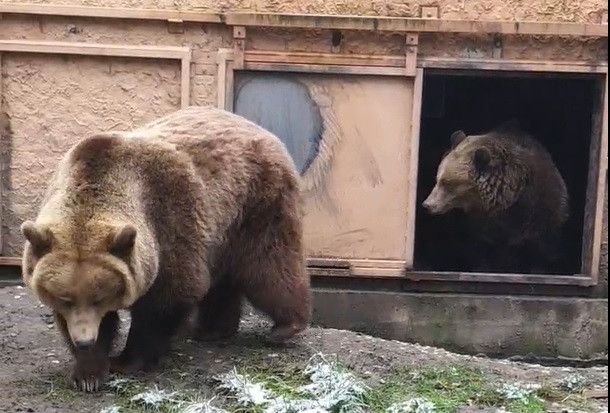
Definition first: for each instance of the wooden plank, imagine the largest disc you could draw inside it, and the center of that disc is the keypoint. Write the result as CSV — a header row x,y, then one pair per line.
x,y
185,81
221,78
512,65
416,25
316,21
230,87
601,188
94,49
10,261
387,273
361,263
411,47
326,69
112,12
575,280
1,151
239,46
596,186
330,59
413,164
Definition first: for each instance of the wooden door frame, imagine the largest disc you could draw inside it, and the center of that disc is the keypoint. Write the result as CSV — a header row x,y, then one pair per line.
x,y
238,59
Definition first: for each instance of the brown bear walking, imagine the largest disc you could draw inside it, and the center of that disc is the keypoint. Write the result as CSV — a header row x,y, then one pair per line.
x,y
197,209
514,196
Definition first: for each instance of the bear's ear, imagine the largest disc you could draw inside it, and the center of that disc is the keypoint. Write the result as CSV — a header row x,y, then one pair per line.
x,y
39,236
482,159
123,240
457,137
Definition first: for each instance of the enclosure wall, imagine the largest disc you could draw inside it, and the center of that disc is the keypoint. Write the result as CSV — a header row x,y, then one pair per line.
x,y
53,100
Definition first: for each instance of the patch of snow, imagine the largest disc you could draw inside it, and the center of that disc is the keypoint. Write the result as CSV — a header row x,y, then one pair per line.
x,y
573,382
244,389
111,409
201,407
518,391
154,398
329,390
415,405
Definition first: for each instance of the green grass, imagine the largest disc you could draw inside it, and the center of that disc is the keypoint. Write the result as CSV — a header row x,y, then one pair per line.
x,y
447,388
454,387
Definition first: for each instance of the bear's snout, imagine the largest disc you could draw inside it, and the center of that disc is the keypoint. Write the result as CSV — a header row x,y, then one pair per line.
x,y
427,204
431,203
84,344
436,203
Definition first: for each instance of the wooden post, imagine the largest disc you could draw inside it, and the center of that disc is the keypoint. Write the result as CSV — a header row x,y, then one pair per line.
x,y
239,46
413,165
412,41
1,153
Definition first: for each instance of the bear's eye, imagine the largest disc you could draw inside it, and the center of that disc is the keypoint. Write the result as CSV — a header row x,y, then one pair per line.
x,y
447,183
66,302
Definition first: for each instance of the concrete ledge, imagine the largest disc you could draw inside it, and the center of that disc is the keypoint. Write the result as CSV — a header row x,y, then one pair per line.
x,y
492,325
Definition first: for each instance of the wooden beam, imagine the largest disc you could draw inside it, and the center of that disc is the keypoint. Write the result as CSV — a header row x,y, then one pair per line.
x,y
601,189
416,25
573,280
329,63
2,137
413,165
596,186
185,80
319,21
260,56
112,12
114,50
326,69
507,65
10,261
411,47
95,49
302,60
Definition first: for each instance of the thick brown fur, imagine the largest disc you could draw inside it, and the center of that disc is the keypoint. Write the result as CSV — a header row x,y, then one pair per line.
x,y
513,194
198,209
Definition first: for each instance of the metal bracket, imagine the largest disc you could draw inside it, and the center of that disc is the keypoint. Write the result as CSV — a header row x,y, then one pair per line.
x,y
429,12
498,47
411,45
239,46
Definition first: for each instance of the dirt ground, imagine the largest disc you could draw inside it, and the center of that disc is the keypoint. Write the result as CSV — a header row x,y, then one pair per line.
x,y
34,362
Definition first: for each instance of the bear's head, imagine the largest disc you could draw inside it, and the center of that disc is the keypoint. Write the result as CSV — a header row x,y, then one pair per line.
x,y
80,277
470,176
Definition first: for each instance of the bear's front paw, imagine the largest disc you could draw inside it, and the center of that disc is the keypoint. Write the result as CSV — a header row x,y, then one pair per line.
x,y
90,373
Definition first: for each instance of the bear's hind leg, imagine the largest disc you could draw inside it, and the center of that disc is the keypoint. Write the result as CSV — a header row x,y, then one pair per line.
x,y
92,365
219,313
277,284
287,305
149,337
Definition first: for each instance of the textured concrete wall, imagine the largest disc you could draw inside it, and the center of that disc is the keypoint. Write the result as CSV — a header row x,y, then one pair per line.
x,y
91,94
54,100
493,325
550,10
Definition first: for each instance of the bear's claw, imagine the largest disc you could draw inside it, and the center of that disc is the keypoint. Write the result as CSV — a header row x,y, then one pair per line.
x,y
91,384
90,372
